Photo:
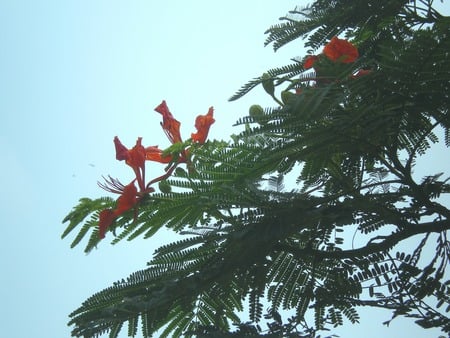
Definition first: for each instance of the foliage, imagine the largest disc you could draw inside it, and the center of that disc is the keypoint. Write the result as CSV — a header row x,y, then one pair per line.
x,y
348,132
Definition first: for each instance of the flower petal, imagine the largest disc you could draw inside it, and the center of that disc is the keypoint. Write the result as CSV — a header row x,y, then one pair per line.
x,y
127,200
341,50
155,154
136,155
121,150
170,125
309,62
203,123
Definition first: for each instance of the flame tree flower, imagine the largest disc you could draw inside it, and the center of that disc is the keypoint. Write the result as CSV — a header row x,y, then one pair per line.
x,y
155,154
309,61
340,50
337,50
128,199
170,125
134,157
129,195
203,123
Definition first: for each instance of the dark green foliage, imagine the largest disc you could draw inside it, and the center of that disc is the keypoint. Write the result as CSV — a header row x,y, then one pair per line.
x,y
290,258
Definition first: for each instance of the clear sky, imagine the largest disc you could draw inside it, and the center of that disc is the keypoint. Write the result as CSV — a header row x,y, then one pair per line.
x,y
76,73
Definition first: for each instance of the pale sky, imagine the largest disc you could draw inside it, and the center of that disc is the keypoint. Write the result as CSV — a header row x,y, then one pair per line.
x,y
76,73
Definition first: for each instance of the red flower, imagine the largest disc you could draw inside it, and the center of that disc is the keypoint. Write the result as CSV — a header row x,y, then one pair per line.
x,y
121,150
127,200
134,157
309,62
170,125
340,50
203,123
155,154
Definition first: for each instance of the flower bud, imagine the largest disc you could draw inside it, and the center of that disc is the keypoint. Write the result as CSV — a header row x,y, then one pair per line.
x,y
256,111
267,83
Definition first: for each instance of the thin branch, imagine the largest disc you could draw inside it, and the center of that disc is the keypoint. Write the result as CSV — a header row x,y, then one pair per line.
x,y
386,244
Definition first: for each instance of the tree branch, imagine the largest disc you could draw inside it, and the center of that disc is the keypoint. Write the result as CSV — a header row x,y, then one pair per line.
x,y
386,244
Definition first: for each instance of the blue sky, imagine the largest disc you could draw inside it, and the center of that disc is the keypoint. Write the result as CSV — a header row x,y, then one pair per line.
x,y
73,75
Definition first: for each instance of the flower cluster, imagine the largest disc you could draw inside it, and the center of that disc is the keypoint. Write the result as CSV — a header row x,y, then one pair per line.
x,y
329,66
337,50
130,195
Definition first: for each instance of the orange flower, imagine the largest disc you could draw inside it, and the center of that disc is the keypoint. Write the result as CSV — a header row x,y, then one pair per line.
x,y
309,62
341,50
155,154
127,200
170,125
203,123
134,157
121,150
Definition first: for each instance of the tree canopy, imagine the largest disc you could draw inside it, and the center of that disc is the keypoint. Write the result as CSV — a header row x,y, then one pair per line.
x,y
270,216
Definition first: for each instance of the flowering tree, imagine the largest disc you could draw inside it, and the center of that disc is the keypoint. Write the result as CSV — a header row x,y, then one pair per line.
x,y
350,121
